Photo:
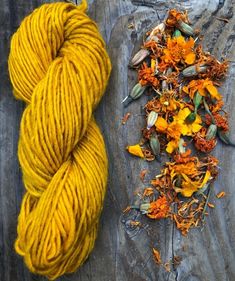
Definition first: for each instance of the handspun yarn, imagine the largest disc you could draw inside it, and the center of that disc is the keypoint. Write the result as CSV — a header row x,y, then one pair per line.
x,y
59,67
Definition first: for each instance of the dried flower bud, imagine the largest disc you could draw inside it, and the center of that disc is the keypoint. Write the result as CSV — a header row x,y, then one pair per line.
x,y
155,145
194,70
211,132
158,29
152,118
224,137
181,146
185,28
136,92
156,67
139,57
144,208
177,33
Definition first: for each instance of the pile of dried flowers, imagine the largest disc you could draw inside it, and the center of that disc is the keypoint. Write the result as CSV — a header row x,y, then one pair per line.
x,y
186,109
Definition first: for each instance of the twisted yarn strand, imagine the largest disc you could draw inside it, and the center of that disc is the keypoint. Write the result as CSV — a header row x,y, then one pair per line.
x,y
59,67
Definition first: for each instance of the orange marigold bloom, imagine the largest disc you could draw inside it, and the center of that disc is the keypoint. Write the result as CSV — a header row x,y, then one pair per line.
x,y
220,120
203,87
202,144
177,50
146,76
159,209
175,16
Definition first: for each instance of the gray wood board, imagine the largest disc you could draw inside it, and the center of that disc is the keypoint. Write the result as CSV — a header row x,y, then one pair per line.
x,y
122,252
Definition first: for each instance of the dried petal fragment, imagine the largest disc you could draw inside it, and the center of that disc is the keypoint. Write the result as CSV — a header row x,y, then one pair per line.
x,y
135,150
220,195
157,256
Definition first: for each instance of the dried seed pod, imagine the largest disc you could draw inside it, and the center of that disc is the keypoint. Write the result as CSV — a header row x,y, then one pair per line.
x,y
156,67
194,70
152,118
211,132
136,92
144,208
177,33
139,57
155,145
185,28
225,138
181,146
158,29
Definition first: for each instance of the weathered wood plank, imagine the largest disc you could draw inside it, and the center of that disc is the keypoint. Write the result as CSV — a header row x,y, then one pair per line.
x,y
123,253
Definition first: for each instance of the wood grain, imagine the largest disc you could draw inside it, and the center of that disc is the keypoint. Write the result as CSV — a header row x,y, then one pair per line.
x,y
122,252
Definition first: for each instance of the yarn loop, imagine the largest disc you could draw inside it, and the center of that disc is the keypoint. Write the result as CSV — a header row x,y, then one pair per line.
x,y
59,67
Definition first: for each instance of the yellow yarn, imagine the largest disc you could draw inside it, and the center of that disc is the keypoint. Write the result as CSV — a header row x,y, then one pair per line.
x,y
59,66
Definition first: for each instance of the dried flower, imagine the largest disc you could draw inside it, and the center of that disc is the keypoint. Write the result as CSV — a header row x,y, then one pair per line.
x,y
146,76
157,209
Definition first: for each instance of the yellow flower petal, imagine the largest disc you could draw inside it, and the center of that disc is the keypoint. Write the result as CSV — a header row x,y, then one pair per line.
x,y
213,92
185,89
135,150
172,146
206,178
189,186
161,124
190,58
195,127
184,130
182,114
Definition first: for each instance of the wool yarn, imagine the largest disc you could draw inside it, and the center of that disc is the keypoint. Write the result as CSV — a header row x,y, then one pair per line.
x,y
59,67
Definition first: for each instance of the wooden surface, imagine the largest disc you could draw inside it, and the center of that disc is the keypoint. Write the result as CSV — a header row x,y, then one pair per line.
x,y
123,253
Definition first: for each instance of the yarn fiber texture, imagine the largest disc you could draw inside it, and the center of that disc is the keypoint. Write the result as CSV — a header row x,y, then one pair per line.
x,y
59,67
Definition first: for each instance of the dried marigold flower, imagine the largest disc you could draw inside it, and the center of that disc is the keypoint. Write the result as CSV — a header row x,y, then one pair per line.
x,y
146,76
202,143
175,16
157,209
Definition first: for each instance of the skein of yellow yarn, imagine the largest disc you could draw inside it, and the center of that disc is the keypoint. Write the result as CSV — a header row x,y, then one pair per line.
x,y
59,67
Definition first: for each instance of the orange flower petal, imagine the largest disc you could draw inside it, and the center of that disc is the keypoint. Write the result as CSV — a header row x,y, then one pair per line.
x,y
213,92
190,58
135,150
161,124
